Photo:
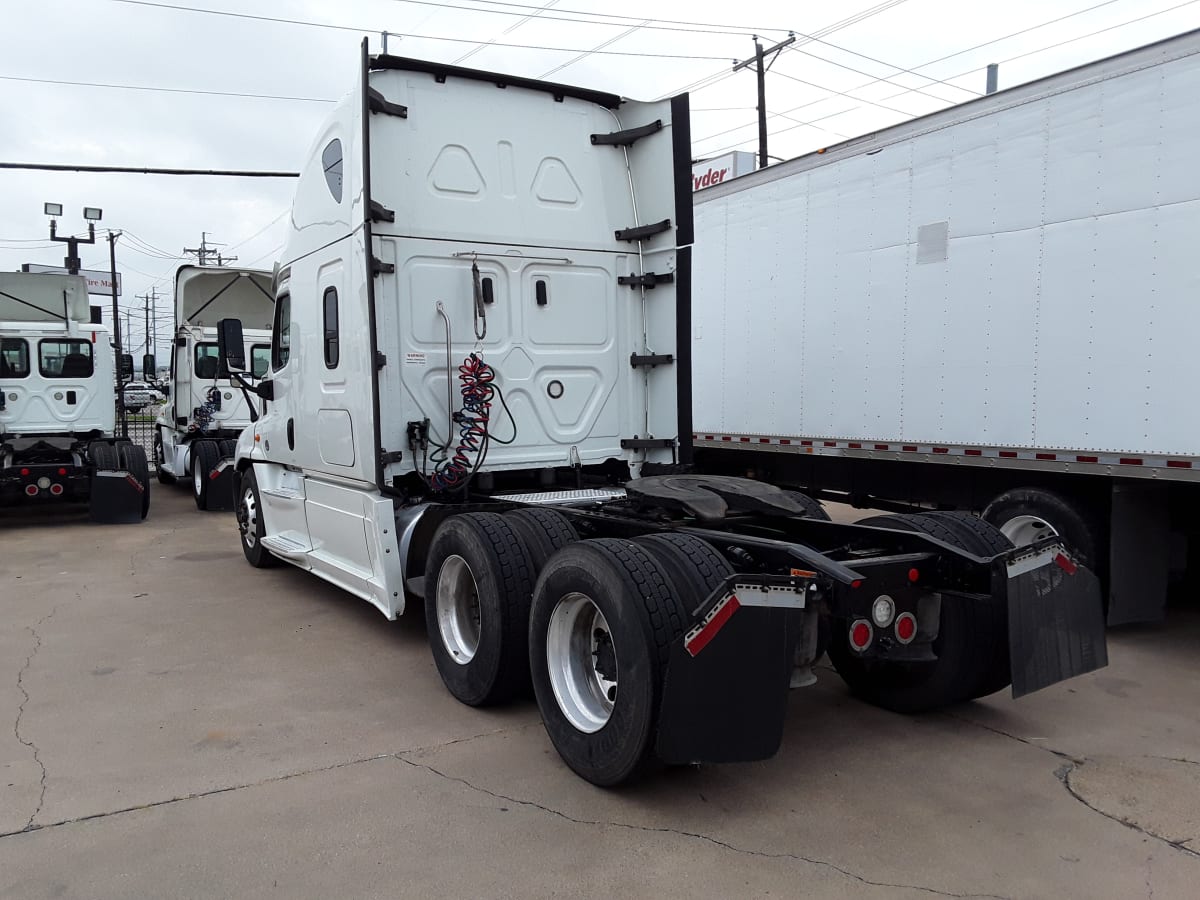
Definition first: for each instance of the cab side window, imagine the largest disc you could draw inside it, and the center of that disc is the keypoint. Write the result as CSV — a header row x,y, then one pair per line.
x,y
260,360
281,333
14,358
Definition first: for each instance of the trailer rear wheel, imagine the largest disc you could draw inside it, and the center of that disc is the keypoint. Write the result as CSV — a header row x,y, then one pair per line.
x,y
1025,515
542,532
693,567
972,633
251,526
813,508
603,620
478,585
205,456
132,459
160,458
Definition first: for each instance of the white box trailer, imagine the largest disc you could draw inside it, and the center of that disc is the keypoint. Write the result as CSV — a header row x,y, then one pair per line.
x,y
991,306
478,402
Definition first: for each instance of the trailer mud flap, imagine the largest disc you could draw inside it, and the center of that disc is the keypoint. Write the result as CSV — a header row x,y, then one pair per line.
x,y
221,487
116,498
1055,619
726,688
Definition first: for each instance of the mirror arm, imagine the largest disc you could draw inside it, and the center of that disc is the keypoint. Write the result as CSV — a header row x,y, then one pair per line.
x,y
246,387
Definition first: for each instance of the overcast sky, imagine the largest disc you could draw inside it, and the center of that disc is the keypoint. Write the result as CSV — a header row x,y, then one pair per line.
x,y
848,81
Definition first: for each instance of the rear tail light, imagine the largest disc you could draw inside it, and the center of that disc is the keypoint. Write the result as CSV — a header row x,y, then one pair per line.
x,y
906,627
56,489
24,473
861,634
62,471
31,490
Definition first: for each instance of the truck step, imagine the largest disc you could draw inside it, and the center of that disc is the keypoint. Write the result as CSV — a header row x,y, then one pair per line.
x,y
568,498
285,546
282,493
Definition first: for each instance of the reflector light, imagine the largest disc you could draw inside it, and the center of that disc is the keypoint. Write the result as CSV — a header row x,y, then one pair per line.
x,y
56,489
31,490
62,471
883,610
856,583
861,634
914,575
906,627
24,471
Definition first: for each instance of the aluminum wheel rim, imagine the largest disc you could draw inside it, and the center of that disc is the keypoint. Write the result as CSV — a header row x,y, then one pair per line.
x,y
577,638
1025,530
458,613
248,520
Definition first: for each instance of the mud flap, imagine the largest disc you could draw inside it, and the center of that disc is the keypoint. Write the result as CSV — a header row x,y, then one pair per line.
x,y
116,498
221,486
1055,618
726,688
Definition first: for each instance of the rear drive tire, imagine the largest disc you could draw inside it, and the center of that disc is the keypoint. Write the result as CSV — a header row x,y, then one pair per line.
x,y
104,455
205,456
971,634
160,457
228,448
1026,514
478,585
251,526
813,508
692,566
604,616
542,532
133,460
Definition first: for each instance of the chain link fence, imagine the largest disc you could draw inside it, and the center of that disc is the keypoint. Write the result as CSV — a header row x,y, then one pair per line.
x,y
137,423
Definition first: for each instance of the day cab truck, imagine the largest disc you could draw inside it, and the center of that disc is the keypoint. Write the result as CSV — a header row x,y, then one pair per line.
x,y
478,401
58,434
205,409
990,308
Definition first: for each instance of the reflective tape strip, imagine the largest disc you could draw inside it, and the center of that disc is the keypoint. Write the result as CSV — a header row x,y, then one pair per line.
x,y
698,638
1037,560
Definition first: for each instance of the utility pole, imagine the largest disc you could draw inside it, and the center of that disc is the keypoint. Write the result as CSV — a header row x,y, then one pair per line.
x,y
758,60
204,252
116,318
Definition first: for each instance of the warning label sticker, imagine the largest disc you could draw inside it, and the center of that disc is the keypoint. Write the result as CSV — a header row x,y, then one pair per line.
x,y
414,359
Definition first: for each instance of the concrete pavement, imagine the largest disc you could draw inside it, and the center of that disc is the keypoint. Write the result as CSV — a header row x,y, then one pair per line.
x,y
185,726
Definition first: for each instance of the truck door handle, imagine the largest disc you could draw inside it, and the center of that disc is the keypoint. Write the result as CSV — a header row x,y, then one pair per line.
x,y
291,434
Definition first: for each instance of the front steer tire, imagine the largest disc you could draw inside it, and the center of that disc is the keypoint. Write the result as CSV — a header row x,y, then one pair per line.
x,y
478,584
604,729
251,526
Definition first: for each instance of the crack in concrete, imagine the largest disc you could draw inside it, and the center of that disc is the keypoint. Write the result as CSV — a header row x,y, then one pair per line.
x,y
1028,743
1063,773
688,834
37,753
196,795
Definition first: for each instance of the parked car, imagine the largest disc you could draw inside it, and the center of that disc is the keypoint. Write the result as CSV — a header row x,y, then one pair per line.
x,y
139,394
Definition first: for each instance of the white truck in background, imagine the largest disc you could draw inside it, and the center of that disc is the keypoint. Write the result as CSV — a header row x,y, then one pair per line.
x,y
58,430
205,410
993,307
479,401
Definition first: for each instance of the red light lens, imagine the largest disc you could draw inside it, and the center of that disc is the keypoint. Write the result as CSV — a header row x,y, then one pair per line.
x,y
860,635
62,471
31,490
56,489
856,583
914,576
906,627
24,472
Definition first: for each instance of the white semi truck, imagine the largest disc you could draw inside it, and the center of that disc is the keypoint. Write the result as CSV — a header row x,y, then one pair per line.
x,y
58,436
205,409
478,402
993,307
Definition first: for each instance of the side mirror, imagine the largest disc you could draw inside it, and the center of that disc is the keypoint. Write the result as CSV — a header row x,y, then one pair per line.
x,y
265,389
126,366
166,390
148,367
230,346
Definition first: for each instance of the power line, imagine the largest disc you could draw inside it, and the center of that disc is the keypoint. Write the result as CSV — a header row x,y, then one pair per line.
x,y
403,34
164,90
148,170
511,28
597,49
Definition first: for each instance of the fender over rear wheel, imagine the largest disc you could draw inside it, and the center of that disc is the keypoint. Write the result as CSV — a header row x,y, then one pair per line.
x,y
478,584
